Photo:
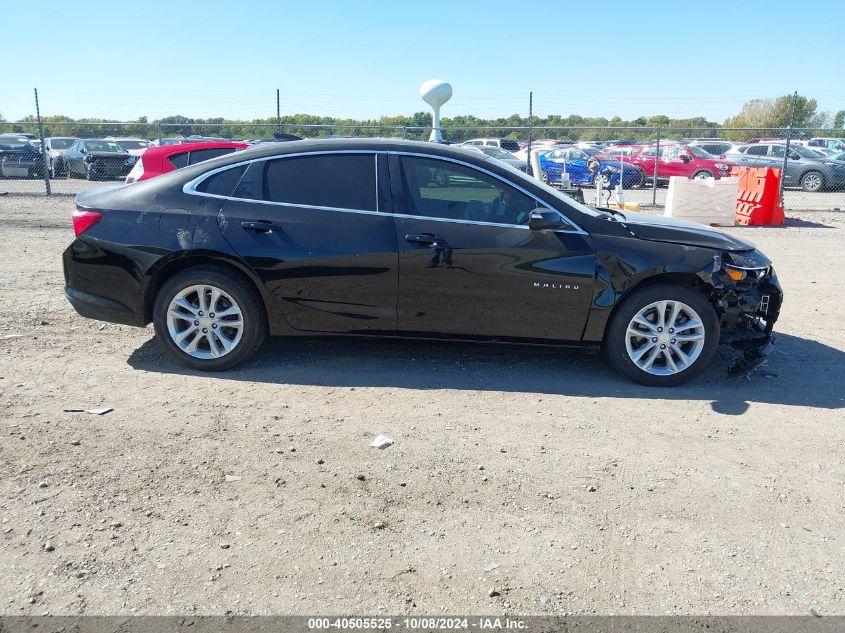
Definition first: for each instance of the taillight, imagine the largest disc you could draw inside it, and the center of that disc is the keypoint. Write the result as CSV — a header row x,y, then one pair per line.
x,y
137,171
84,220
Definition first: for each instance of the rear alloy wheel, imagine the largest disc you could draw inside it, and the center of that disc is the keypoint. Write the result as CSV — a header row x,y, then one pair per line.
x,y
702,175
662,335
605,181
89,173
209,319
812,181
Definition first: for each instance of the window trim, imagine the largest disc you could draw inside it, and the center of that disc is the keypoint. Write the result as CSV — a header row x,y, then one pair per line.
x,y
190,188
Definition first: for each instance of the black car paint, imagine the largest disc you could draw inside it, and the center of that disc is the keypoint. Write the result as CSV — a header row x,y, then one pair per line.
x,y
80,160
321,273
16,155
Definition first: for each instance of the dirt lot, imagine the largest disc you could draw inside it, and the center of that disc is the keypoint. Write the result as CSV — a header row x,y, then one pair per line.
x,y
539,474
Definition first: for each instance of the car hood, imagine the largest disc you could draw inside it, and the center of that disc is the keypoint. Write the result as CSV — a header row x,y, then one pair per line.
x,y
658,228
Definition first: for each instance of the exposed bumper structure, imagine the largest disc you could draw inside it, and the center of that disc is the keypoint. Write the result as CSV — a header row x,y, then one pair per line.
x,y
747,314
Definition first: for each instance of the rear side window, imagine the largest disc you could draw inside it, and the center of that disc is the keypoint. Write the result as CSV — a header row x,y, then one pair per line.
x,y
340,181
199,155
757,150
179,160
222,183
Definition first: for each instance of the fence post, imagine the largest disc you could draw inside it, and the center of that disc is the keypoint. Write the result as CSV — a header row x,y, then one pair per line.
x,y
404,132
654,178
160,135
786,151
45,158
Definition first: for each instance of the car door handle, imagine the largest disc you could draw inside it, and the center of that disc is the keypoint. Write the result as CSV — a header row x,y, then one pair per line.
x,y
262,226
426,240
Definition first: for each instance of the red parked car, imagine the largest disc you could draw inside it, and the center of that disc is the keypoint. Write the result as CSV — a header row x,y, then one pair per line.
x,y
676,159
156,161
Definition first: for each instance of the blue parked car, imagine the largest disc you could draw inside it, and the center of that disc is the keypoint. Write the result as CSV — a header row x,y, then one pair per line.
x,y
576,161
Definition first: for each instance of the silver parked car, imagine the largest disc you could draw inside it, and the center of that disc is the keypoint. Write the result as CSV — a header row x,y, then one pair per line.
x,y
500,154
57,147
804,167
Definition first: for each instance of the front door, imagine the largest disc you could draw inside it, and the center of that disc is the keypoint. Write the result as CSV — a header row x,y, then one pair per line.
x,y
313,227
469,265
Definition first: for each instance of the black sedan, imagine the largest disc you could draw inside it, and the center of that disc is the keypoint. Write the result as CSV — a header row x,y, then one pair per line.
x,y
19,157
95,159
361,237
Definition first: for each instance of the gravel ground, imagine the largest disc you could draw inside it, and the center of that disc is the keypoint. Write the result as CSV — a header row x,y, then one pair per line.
x,y
539,474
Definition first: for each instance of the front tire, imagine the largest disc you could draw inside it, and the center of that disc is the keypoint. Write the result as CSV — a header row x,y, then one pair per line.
x,y
209,318
662,335
702,174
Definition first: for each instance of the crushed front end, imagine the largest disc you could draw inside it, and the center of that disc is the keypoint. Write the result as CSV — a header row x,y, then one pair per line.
x,y
747,297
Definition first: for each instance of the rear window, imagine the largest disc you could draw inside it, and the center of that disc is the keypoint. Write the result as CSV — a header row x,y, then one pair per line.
x,y
179,160
199,155
340,181
222,183
511,146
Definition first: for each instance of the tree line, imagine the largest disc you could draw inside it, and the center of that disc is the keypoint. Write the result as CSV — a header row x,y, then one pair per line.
x,y
758,117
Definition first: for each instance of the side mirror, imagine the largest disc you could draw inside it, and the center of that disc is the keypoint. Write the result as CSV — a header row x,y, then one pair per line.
x,y
685,158
83,150
542,218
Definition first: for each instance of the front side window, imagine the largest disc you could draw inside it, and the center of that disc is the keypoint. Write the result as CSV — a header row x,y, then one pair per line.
x,y
338,181
441,189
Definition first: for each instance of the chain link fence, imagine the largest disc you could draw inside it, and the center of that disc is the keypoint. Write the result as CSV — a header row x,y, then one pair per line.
x,y
814,162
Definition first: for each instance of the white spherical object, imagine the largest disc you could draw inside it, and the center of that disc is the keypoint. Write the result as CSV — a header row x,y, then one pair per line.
x,y
435,92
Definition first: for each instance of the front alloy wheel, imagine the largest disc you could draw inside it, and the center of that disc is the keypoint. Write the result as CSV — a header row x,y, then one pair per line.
x,y
665,338
662,335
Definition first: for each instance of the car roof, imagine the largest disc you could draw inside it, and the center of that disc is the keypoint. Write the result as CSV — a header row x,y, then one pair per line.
x,y
169,150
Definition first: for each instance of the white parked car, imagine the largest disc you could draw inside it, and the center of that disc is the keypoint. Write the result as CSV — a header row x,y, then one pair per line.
x,y
134,146
502,143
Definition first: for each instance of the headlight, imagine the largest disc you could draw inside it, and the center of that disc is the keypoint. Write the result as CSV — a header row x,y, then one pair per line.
x,y
722,167
612,168
748,265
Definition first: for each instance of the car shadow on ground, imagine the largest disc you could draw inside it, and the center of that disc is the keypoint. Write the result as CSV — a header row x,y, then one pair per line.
x,y
801,372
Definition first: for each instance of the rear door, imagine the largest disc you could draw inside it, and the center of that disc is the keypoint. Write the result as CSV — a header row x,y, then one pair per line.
x,y
315,229
469,266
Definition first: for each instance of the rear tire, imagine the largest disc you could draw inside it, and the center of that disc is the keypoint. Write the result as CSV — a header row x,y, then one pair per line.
x,y
682,348
812,181
197,337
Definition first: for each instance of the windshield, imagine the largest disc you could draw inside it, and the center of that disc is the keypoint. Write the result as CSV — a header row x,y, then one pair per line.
x,y
698,152
520,177
13,141
61,143
103,146
495,152
133,144
805,152
597,153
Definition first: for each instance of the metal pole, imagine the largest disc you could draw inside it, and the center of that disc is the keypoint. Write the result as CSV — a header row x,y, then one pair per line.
x,y
654,178
788,139
530,114
278,112
404,132
44,156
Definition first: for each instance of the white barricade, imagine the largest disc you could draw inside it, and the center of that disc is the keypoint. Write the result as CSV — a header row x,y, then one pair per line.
x,y
708,201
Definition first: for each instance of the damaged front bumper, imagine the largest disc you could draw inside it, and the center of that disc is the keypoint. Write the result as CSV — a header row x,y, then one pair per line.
x,y
747,313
